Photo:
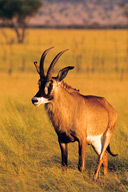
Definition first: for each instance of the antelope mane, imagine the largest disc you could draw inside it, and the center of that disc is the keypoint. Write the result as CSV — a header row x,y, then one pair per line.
x,y
68,88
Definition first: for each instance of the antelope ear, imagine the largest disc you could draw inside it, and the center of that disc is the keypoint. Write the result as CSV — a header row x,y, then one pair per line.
x,y
63,72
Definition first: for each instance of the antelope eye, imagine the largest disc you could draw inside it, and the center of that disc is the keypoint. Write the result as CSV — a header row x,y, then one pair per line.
x,y
51,84
48,87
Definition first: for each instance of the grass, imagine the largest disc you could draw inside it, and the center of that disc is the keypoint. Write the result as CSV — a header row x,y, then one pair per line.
x,y
30,154
29,151
89,50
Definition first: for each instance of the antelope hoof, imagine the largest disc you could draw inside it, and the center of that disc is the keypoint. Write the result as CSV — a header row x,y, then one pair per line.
x,y
64,168
81,169
95,177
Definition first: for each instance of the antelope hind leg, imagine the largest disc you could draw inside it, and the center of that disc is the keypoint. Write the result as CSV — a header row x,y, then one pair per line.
x,y
105,163
103,158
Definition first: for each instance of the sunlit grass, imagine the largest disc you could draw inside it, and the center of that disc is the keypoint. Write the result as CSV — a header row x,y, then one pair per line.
x,y
89,50
29,151
30,154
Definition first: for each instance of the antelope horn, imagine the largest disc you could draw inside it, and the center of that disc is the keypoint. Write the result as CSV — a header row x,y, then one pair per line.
x,y
41,69
37,67
51,67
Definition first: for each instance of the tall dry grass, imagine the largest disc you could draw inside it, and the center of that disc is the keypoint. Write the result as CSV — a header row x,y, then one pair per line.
x,y
89,50
29,150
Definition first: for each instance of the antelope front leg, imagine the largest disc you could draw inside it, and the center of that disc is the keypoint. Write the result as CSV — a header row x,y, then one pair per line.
x,y
64,154
82,148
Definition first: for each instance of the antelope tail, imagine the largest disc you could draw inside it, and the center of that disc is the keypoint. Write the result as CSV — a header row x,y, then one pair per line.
x,y
109,151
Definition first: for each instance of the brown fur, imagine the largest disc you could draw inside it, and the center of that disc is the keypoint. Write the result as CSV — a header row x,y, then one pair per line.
x,y
68,88
75,117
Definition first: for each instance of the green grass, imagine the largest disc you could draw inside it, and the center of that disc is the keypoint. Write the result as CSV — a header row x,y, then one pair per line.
x,y
29,151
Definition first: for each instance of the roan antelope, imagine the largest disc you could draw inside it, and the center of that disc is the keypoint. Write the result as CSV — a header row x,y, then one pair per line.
x,y
75,117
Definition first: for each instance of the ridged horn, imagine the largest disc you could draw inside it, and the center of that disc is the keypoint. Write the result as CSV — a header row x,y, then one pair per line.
x,y
51,67
42,75
37,67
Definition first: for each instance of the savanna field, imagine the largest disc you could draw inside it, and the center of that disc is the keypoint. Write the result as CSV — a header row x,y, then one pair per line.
x,y
30,159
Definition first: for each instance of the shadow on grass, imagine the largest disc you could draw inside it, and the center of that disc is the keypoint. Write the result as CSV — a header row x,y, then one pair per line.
x,y
118,164
91,162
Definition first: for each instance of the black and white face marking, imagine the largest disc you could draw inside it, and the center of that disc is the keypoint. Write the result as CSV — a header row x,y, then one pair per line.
x,y
44,94
39,100
46,87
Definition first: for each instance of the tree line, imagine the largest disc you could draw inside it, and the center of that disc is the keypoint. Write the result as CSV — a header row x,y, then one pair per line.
x,y
15,14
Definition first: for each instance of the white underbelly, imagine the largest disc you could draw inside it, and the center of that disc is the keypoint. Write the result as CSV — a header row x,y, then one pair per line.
x,y
92,139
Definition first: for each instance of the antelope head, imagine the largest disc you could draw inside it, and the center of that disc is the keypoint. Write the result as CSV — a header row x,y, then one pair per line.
x,y
47,83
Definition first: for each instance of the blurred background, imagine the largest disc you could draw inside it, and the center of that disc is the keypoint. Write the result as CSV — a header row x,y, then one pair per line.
x,y
94,31
96,34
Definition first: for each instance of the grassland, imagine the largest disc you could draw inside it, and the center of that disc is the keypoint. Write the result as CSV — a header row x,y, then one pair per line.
x,y
29,151
99,50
